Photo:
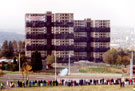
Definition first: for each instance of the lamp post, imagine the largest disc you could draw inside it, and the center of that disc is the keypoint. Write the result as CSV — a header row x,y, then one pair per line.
x,y
19,62
55,66
69,65
131,65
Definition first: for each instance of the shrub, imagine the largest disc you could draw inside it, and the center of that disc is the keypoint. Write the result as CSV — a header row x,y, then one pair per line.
x,y
12,67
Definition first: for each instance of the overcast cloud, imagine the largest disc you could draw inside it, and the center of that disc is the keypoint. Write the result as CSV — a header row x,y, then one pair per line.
x,y
120,12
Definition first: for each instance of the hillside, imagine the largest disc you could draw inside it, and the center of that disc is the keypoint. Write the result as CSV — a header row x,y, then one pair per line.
x,y
10,36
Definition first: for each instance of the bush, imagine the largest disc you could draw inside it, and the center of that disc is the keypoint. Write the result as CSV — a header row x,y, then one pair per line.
x,y
50,60
3,66
117,66
83,70
11,67
1,73
100,70
36,61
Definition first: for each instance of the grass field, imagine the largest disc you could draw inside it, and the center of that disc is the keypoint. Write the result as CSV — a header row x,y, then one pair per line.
x,y
78,88
101,69
82,69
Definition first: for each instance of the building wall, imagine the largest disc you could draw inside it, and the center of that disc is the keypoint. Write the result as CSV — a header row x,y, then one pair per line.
x,y
63,35
101,38
59,34
35,34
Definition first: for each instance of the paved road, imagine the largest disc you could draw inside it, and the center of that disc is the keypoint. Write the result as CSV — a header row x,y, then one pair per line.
x,y
72,76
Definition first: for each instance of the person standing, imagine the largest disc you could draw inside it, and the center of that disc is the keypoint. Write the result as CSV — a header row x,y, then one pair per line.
x,y
7,83
123,82
1,85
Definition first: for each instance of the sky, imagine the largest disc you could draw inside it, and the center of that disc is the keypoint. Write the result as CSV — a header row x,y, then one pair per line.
x,y
120,12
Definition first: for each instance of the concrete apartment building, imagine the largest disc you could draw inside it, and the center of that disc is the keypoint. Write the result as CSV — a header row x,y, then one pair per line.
x,y
59,34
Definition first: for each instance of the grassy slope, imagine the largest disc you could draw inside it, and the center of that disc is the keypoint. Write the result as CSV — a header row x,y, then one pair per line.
x,y
101,69
83,88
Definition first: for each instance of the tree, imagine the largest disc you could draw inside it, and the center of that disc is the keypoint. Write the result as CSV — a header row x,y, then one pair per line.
x,y
125,60
4,52
26,69
14,61
123,52
110,56
119,59
1,73
7,49
117,56
15,46
23,58
5,45
125,56
10,50
36,61
50,60
12,67
21,45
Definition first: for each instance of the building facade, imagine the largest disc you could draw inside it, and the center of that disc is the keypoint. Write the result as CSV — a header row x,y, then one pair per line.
x,y
59,34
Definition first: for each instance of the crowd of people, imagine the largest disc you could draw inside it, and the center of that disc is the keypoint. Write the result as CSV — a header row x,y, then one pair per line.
x,y
66,82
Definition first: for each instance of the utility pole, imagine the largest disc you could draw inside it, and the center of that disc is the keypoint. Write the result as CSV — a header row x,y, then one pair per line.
x,y
69,65
19,63
131,65
55,66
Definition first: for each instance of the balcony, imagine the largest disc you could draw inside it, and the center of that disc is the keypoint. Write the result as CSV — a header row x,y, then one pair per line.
x,y
63,24
64,48
80,49
100,49
35,24
101,29
81,39
35,47
49,47
80,29
49,36
39,47
35,36
64,36
100,39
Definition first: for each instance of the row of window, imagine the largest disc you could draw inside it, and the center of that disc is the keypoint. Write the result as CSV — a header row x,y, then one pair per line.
x,y
100,45
81,54
98,55
80,34
29,53
80,44
66,54
100,35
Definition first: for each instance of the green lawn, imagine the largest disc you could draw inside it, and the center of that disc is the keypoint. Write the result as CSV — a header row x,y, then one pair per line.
x,y
101,69
96,70
78,88
82,69
42,72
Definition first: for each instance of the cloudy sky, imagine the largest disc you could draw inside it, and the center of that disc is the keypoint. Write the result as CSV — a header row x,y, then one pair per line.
x,y
120,12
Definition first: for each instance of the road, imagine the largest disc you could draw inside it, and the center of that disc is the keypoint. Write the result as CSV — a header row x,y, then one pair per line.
x,y
51,77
